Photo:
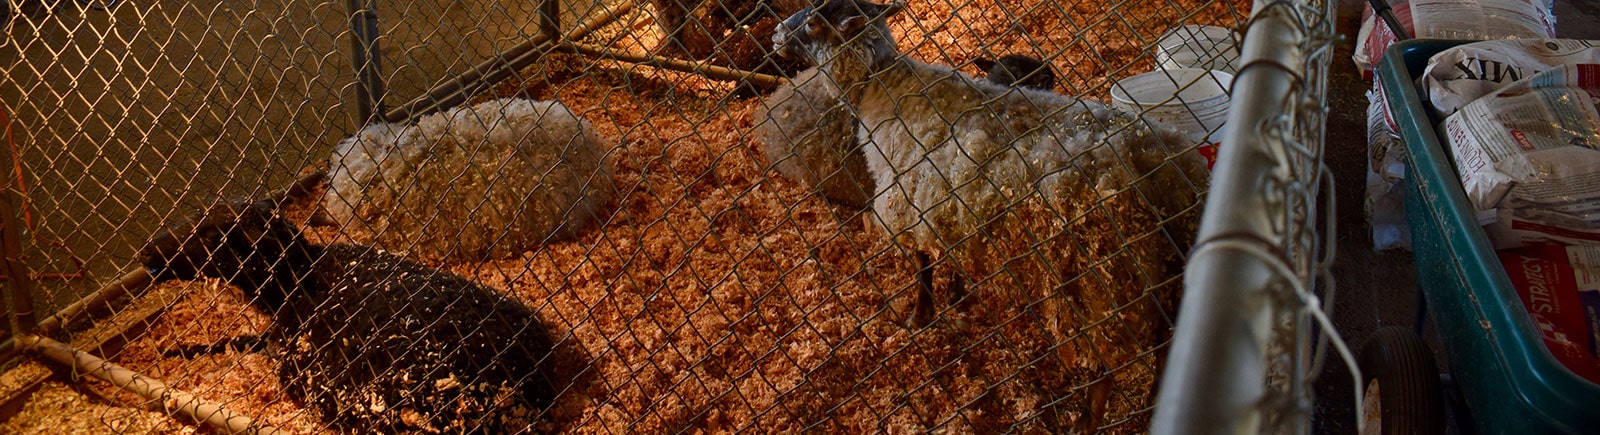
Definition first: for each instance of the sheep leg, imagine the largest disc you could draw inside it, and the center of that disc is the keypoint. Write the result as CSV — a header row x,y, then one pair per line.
x,y
1094,405
922,313
958,288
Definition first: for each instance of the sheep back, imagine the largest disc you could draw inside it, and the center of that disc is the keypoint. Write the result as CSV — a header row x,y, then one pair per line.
x,y
495,179
1081,207
395,346
809,136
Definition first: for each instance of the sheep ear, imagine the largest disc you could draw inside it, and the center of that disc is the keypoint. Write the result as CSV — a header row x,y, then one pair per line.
x,y
267,207
254,220
301,186
983,63
892,8
250,232
869,11
852,25
321,218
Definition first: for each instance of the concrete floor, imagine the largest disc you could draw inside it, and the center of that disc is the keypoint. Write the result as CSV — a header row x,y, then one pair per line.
x,y
1376,289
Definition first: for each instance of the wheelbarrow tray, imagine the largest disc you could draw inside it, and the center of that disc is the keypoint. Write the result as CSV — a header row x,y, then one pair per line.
x,y
1509,380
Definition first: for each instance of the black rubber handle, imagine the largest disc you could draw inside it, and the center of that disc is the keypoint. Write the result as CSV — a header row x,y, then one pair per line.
x,y
1381,8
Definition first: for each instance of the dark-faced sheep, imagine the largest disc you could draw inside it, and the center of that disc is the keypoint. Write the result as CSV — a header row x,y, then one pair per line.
x,y
809,135
1066,203
373,342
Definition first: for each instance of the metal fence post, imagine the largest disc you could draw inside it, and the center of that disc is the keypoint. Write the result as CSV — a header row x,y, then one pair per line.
x,y
365,57
22,318
550,19
1229,370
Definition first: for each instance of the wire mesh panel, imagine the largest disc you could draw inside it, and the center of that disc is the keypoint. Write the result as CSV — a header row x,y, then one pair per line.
x,y
605,216
118,116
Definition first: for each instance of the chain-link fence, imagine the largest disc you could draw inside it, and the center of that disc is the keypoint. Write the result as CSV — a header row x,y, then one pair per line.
x,y
598,216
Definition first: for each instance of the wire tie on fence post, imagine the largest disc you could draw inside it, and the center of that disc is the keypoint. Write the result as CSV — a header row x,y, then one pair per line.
x,y
1260,252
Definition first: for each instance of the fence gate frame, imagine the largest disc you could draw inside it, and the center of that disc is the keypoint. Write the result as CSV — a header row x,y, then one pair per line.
x,y
1253,327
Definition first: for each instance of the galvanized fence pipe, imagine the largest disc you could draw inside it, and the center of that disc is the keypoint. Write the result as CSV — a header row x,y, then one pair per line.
x,y
192,406
366,56
550,18
127,285
20,283
455,91
99,301
703,68
1254,263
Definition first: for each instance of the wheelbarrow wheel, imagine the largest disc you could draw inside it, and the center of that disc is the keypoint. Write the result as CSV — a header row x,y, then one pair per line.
x,y
1403,393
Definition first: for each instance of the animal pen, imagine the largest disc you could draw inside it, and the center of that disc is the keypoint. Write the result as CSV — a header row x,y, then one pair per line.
x,y
596,216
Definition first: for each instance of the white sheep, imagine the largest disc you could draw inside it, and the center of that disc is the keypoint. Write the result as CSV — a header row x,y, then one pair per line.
x,y
809,135
495,179
1081,209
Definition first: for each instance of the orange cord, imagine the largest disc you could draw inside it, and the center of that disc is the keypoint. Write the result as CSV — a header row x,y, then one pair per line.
x,y
16,163
27,206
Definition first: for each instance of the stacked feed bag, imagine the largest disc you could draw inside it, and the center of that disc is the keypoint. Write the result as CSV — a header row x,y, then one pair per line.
x,y
1433,19
1527,155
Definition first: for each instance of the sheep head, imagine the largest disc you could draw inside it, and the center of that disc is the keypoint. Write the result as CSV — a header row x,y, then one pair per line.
x,y
1019,70
242,242
816,33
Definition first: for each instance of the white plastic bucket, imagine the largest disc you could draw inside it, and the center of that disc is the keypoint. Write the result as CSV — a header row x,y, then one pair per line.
x,y
1208,47
1193,100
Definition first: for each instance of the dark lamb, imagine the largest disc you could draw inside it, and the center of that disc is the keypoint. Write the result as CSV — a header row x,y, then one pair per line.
x,y
372,341
1018,70
733,34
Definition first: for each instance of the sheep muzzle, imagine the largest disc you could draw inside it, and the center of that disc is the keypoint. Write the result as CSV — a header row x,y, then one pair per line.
x,y
784,40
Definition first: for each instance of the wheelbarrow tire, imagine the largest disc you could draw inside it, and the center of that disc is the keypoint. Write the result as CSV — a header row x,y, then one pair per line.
x,y
1410,396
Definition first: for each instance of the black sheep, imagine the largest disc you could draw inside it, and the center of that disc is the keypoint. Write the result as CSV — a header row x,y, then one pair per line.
x,y
372,341
733,34
1018,70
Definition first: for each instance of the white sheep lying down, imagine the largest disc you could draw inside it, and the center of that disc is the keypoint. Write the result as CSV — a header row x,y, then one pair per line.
x,y
494,179
1051,203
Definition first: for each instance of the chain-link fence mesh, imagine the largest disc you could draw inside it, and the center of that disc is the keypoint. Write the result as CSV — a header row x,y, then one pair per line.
x,y
618,221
